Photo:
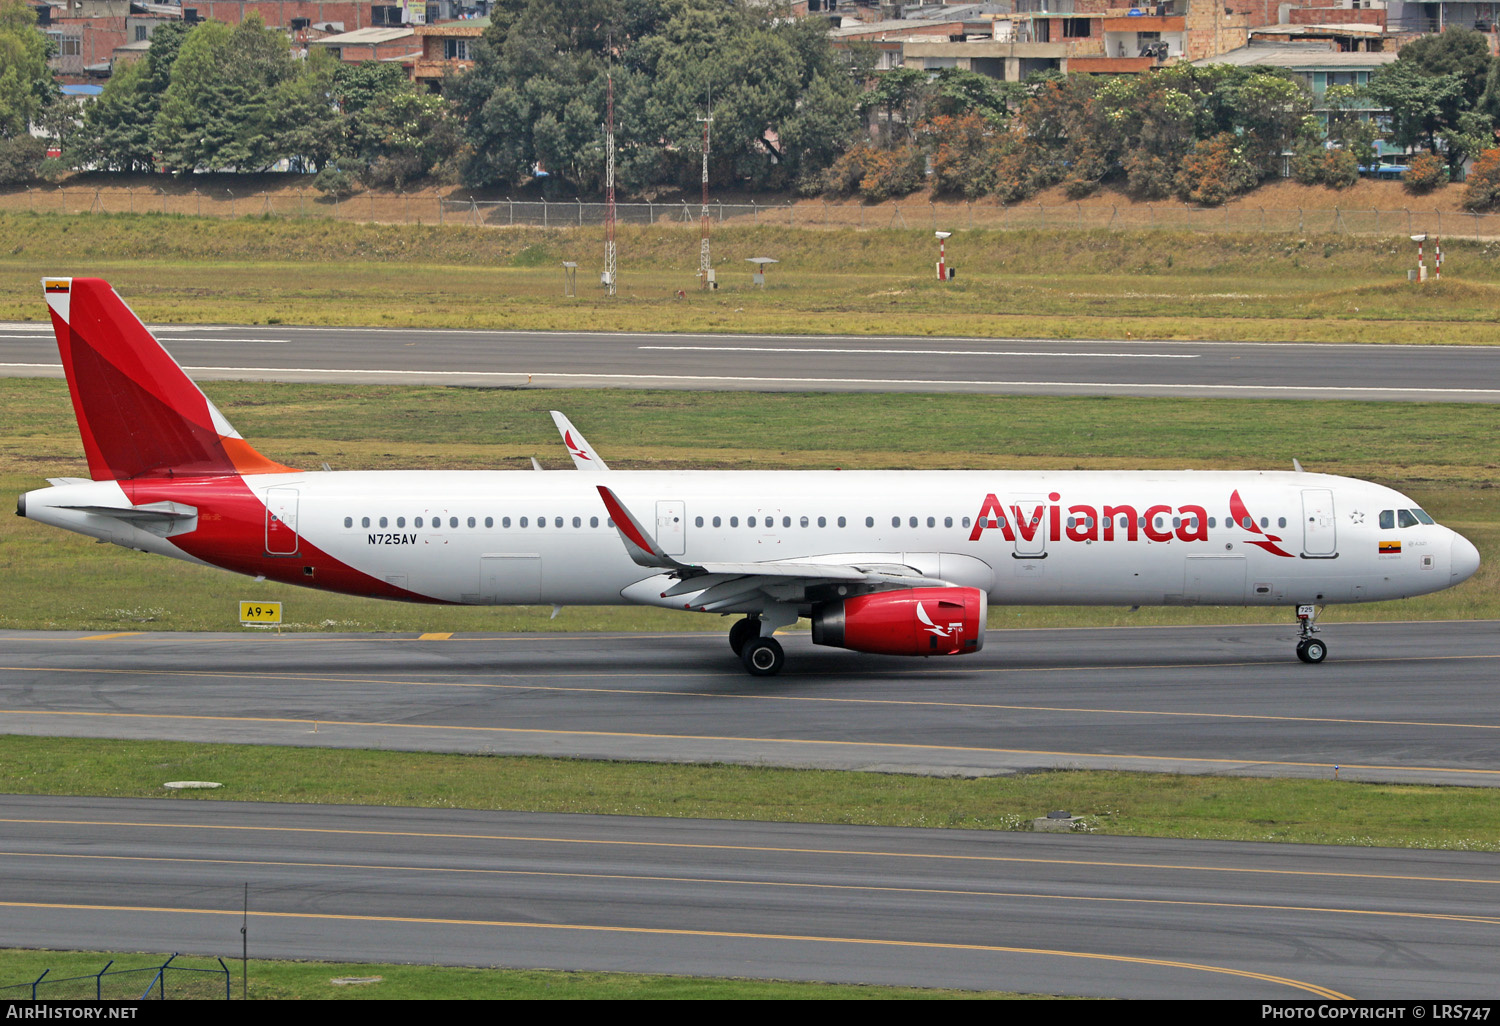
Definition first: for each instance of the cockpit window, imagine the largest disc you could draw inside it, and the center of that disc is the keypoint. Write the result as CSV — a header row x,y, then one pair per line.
x,y
1404,518
1387,519
1422,516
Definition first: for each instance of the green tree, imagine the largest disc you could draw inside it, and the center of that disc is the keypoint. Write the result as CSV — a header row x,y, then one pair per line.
x,y
218,111
1430,87
25,83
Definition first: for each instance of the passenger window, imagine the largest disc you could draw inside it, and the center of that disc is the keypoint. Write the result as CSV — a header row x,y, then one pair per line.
x,y
593,521
417,522
947,521
697,521
749,521
841,521
524,521
912,521
1387,519
787,522
931,521
384,521
1265,521
895,521
822,521
557,521
400,521
472,522
1248,524
1405,519
734,521
965,522
805,522
505,522
541,521
1213,521
1281,521
869,521
348,521
489,521
364,521
453,521
578,521
717,521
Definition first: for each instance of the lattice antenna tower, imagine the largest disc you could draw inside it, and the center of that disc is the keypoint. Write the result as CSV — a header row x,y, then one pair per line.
x,y
705,264
609,188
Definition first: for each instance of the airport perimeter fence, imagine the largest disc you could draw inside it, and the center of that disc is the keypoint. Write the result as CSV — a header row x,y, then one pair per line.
x,y
425,208
152,983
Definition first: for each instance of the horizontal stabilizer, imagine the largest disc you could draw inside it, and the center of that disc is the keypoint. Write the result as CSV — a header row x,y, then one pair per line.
x,y
150,511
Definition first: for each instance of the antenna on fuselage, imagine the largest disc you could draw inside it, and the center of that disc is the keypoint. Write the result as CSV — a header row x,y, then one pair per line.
x,y
1297,465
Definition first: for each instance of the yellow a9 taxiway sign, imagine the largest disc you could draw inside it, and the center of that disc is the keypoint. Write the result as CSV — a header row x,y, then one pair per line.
x,y
260,612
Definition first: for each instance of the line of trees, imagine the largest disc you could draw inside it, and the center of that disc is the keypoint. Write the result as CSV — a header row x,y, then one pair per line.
x,y
789,111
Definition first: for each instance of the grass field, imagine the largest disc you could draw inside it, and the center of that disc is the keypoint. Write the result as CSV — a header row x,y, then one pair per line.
x,y
1065,284
1442,454
1117,803
270,980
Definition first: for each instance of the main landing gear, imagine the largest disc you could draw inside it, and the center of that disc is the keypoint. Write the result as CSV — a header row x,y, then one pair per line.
x,y
1309,648
762,656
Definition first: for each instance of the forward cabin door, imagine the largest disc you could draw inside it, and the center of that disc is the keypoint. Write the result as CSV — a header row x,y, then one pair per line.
x,y
1319,533
281,521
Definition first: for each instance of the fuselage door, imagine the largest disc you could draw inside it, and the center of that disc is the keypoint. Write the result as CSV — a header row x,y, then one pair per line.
x,y
1028,519
671,526
1319,533
281,521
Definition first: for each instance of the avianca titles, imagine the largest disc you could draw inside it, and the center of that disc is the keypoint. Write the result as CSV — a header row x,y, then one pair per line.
x,y
896,562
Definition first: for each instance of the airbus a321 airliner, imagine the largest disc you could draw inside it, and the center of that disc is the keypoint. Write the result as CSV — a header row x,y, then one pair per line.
x,y
895,562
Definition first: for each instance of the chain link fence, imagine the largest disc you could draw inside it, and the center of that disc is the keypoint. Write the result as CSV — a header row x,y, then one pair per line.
x,y
151,983
427,208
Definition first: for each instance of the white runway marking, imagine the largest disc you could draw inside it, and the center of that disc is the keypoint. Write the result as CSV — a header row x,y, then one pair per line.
x,y
919,352
541,377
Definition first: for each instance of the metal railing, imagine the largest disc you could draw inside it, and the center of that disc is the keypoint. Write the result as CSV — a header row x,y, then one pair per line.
x,y
150,983
916,212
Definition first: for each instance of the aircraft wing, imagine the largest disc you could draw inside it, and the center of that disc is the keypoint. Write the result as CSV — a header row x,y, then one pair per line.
x,y
584,456
725,587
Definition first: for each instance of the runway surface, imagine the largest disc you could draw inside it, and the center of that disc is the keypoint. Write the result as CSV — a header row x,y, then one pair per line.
x,y
1038,913
1002,366
1410,702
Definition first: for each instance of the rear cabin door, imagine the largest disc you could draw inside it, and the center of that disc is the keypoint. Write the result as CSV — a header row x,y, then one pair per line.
x,y
281,521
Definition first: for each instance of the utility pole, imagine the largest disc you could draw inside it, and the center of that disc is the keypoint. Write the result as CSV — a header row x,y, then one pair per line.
x,y
705,264
609,187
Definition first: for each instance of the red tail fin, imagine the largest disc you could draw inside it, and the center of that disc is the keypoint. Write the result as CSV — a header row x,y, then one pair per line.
x,y
139,414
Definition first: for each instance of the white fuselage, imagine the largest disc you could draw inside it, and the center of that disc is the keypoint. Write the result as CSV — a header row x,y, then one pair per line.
x,y
1064,537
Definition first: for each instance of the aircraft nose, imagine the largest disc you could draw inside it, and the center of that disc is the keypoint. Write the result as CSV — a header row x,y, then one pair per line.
x,y
1465,559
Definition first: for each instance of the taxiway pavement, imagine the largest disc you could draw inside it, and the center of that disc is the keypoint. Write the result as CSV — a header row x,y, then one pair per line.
x,y
1002,366
1038,913
1410,702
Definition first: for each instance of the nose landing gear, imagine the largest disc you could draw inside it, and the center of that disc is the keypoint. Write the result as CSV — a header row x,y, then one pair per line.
x,y
1309,649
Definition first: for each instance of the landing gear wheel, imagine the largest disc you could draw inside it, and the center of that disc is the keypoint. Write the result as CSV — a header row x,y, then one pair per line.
x,y
1312,650
763,657
742,632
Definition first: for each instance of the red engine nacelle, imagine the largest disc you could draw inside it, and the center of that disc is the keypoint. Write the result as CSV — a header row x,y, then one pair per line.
x,y
918,621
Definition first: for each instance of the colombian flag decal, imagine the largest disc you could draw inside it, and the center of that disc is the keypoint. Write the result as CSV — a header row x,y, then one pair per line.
x,y
1390,548
57,284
